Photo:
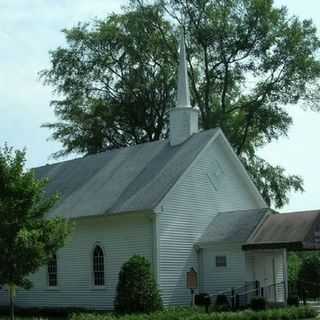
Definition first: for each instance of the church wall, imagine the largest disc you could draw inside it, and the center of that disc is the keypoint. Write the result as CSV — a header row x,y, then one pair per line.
x,y
119,236
267,267
212,184
217,279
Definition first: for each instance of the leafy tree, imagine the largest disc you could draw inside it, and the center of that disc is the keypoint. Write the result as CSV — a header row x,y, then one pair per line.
x,y
309,275
137,289
247,60
117,80
27,239
294,266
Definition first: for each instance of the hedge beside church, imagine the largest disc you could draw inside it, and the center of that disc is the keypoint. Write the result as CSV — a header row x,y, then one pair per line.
x,y
191,314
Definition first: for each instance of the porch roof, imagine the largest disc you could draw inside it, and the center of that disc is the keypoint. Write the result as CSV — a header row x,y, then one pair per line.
x,y
233,226
293,231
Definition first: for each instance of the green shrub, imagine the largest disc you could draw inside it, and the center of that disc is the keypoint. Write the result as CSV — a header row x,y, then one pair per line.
x,y
293,300
221,300
258,303
309,275
304,312
291,313
137,290
221,304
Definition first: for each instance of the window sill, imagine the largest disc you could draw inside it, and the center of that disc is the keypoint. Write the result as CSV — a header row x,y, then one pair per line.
x,y
220,269
98,287
53,288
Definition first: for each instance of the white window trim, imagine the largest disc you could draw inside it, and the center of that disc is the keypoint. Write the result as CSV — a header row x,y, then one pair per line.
x,y
93,285
221,267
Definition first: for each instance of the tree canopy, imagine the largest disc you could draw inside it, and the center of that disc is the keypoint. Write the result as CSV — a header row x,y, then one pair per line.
x,y
304,275
116,78
27,238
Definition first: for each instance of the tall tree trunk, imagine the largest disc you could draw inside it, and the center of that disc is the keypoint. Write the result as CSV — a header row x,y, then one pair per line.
x,y
12,295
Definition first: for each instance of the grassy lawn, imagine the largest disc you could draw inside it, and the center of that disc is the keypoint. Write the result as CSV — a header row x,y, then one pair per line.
x,y
191,314
290,313
33,318
20,317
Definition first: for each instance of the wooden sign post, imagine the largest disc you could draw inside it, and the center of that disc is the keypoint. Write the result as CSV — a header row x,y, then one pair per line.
x,y
192,283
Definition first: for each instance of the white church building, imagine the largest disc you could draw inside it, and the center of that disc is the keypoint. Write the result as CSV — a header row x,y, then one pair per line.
x,y
185,203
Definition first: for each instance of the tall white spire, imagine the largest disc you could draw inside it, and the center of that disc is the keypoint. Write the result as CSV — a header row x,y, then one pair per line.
x,y
183,118
183,93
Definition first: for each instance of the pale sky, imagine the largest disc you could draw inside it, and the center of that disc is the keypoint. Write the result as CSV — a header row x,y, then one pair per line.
x,y
30,28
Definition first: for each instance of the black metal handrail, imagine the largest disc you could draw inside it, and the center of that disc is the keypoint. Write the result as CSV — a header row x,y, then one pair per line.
x,y
233,291
270,292
233,294
242,296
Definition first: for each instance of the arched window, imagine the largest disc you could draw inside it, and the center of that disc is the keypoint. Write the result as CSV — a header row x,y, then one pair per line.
x,y
98,266
53,272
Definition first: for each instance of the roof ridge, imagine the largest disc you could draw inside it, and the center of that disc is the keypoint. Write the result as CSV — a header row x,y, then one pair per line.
x,y
164,141
242,210
302,211
257,228
100,153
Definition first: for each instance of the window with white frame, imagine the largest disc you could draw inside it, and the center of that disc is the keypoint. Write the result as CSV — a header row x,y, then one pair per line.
x,y
221,261
98,266
53,272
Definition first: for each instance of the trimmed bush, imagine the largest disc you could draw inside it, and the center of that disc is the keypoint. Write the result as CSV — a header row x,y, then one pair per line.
x,y
258,304
137,290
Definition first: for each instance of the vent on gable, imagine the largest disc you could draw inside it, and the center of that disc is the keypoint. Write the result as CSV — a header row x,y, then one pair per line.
x,y
216,175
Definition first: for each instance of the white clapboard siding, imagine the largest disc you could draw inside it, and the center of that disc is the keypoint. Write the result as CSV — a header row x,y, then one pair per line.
x,y
217,279
188,209
250,272
120,237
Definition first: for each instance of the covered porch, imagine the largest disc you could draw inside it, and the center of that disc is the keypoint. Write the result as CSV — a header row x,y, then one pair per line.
x,y
267,249
244,254
268,268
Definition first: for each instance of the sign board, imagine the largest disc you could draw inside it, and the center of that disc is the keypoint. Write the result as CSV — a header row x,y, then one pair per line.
x,y
192,279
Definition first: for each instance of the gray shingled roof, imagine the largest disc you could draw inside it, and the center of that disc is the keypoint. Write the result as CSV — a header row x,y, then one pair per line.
x,y
233,226
128,179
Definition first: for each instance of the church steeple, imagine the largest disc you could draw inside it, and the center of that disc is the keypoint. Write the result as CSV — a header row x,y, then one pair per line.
x,y
183,118
183,93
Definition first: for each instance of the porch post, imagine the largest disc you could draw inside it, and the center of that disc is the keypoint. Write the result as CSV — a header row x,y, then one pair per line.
x,y
274,279
285,275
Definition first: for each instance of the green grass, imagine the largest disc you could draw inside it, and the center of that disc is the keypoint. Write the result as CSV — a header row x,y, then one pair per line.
x,y
33,318
291,313
190,314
